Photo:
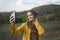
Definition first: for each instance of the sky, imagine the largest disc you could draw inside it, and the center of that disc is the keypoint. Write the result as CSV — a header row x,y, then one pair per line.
x,y
21,5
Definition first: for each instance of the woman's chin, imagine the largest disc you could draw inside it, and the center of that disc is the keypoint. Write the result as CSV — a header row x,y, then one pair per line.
x,y
30,20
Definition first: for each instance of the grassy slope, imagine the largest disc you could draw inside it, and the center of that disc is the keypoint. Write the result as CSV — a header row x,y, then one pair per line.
x,y
52,31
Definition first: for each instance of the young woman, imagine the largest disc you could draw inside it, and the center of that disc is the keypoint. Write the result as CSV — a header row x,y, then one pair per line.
x,y
31,29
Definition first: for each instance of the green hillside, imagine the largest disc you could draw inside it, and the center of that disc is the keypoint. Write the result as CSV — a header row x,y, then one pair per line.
x,y
48,12
48,16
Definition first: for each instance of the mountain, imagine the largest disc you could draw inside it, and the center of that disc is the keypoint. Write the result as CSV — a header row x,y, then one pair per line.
x,y
47,9
41,10
44,10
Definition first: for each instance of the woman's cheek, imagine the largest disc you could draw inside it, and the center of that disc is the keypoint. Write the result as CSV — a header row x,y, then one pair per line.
x,y
30,19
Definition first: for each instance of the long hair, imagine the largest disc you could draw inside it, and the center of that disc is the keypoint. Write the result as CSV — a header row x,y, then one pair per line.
x,y
32,26
34,13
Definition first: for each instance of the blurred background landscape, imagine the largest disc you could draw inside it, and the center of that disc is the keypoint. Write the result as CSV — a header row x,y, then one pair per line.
x,y
48,16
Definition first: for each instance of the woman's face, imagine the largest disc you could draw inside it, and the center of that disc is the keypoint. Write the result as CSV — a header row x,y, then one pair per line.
x,y
30,16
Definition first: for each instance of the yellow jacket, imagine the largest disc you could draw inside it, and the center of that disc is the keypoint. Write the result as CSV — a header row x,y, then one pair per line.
x,y
26,31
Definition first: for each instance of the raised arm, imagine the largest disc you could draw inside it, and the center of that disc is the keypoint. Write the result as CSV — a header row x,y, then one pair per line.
x,y
16,30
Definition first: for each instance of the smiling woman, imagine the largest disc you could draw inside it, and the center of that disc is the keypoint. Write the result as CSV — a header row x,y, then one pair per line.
x,y
31,29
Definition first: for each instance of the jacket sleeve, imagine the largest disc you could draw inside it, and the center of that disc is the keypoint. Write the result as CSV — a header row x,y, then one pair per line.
x,y
40,28
16,31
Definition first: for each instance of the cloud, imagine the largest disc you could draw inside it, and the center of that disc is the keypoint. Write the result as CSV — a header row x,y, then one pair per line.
x,y
54,1
28,4
21,5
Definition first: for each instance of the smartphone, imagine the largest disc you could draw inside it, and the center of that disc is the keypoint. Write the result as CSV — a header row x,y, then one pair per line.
x,y
13,16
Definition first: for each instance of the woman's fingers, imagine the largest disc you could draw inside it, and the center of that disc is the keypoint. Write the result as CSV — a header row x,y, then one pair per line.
x,y
11,19
11,16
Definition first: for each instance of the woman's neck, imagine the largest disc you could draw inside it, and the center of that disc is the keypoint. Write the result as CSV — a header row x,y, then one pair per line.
x,y
31,21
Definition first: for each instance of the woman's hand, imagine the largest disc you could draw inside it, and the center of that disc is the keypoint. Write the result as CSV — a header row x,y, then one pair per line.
x,y
12,24
11,19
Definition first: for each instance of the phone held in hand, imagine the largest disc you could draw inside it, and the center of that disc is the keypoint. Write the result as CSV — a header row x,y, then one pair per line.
x,y
12,18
